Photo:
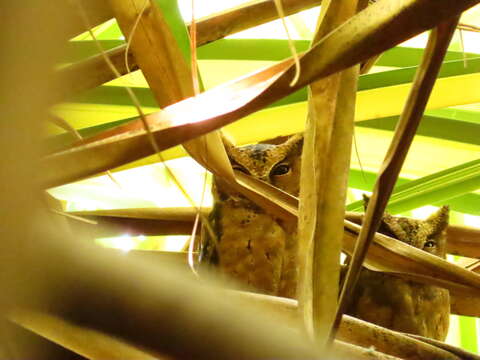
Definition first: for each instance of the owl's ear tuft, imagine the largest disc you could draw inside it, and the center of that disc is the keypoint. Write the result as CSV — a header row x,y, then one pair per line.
x,y
439,219
393,225
296,140
294,143
292,146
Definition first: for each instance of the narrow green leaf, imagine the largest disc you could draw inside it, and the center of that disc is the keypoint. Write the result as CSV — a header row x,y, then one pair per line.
x,y
435,188
263,49
177,26
456,114
117,96
433,126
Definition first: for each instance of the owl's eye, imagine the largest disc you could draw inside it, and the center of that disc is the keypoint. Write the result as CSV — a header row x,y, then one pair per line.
x,y
280,169
239,168
429,244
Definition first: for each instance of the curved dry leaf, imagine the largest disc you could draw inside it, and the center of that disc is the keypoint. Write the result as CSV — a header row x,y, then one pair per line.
x,y
109,226
176,124
84,341
209,151
92,72
466,305
245,16
475,266
385,254
95,72
365,334
185,120
276,201
373,30
426,75
349,351
464,241
135,222
352,330
169,75
463,354
323,182
391,255
175,214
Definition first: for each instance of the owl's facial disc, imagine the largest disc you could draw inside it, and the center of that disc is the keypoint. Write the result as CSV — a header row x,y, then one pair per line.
x,y
278,165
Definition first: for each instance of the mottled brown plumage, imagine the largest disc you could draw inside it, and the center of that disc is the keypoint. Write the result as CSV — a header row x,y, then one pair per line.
x,y
259,251
252,246
404,305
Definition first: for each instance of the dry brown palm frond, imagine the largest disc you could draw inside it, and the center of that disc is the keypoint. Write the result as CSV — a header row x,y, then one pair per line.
x,y
324,175
147,221
169,76
463,354
65,125
468,27
406,128
391,255
245,16
170,79
147,306
110,226
186,214
465,304
96,345
102,291
93,72
475,266
351,330
70,279
358,39
349,351
385,254
89,343
286,201
462,240
152,35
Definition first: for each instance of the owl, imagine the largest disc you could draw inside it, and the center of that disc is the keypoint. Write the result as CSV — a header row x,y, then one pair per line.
x,y
260,251
404,305
251,246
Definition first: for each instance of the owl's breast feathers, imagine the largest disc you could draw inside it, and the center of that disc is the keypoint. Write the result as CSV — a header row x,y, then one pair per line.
x,y
399,304
254,248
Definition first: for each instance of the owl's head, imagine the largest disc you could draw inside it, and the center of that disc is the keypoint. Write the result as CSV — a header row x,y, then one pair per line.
x,y
428,235
278,165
